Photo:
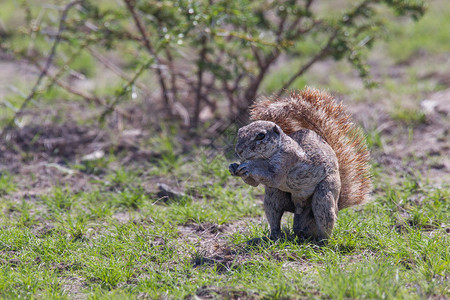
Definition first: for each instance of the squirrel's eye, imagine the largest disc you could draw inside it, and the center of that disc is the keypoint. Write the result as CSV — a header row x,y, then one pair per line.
x,y
260,136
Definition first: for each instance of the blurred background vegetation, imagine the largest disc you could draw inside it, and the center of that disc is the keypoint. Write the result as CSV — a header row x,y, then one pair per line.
x,y
201,62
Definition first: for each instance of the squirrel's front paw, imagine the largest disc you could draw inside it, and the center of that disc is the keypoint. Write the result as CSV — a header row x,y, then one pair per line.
x,y
239,170
232,168
242,170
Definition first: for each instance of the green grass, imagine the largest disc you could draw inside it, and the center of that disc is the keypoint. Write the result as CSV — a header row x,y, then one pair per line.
x,y
117,240
408,116
7,185
430,34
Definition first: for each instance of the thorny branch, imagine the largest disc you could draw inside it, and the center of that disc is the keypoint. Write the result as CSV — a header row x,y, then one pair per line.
x,y
149,47
173,75
68,88
306,66
265,63
125,87
198,90
117,70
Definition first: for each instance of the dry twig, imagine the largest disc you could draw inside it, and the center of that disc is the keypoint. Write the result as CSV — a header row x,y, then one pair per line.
x,y
149,47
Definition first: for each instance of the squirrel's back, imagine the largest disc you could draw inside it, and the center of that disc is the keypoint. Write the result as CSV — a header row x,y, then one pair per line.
x,y
318,111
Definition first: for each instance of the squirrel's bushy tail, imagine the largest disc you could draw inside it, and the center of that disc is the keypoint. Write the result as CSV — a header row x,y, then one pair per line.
x,y
318,111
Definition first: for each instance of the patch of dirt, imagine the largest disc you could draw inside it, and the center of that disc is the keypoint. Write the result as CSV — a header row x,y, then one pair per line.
x,y
65,140
73,286
43,156
43,230
212,248
63,266
422,148
213,292
425,147
122,216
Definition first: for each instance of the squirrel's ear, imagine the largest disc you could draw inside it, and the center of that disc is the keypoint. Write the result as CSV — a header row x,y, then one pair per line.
x,y
276,129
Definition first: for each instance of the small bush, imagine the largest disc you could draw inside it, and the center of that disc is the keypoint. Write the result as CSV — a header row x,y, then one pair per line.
x,y
199,55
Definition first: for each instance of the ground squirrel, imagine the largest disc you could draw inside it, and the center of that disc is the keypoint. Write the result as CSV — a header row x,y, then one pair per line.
x,y
311,158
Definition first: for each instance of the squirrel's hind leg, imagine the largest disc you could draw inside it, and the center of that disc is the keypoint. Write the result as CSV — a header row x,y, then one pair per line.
x,y
276,202
304,224
324,208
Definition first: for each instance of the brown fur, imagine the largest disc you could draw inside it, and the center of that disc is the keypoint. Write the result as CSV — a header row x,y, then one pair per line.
x,y
300,173
318,111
